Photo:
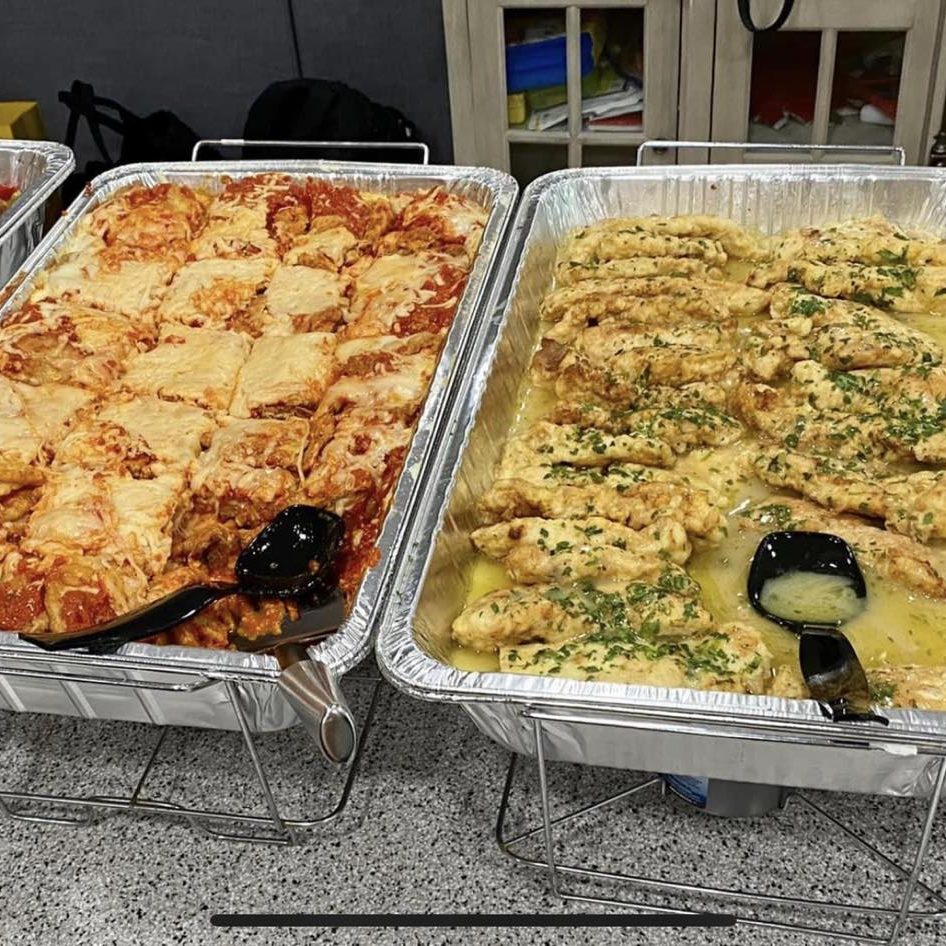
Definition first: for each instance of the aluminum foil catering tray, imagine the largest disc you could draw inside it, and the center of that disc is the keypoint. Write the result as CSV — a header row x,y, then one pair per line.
x,y
764,740
36,168
186,686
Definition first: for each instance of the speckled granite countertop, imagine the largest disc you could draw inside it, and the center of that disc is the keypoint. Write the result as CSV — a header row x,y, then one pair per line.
x,y
417,836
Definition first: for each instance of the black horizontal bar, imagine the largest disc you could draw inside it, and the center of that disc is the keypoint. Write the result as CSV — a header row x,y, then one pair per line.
x,y
461,920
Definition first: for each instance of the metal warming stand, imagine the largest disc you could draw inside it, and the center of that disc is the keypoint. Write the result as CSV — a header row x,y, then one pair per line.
x,y
131,671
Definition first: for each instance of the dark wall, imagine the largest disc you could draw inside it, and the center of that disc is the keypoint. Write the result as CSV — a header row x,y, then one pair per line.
x,y
207,60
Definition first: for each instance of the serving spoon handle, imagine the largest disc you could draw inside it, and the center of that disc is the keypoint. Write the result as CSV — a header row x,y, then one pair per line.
x,y
146,621
834,675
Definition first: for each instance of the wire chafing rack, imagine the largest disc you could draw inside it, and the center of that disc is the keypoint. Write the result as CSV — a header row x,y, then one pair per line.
x,y
222,823
749,906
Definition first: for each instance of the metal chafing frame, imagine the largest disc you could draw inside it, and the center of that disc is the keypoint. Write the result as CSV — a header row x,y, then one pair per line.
x,y
282,830
274,828
558,872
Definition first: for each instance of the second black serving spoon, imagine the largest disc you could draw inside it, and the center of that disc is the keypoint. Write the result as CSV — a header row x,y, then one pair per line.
x,y
289,558
831,668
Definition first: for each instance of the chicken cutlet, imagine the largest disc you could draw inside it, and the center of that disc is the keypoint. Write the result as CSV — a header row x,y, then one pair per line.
x,y
873,240
842,336
913,389
583,556
898,287
906,686
737,241
588,246
904,432
568,272
592,388
664,539
681,428
637,506
578,445
665,312
603,297
733,658
550,613
913,504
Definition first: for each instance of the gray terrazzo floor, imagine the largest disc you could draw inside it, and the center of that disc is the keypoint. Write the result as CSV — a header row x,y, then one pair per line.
x,y
417,836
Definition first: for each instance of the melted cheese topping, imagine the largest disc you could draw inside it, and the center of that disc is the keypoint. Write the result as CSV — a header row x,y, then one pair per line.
x,y
324,248
302,290
284,374
210,291
194,365
134,401
132,288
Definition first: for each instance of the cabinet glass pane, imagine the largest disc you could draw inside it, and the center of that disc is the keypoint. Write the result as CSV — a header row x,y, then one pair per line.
x,y
536,97
865,89
784,85
613,88
608,156
527,161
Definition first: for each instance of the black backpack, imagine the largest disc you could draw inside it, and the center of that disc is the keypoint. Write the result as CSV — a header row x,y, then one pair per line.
x,y
161,136
320,110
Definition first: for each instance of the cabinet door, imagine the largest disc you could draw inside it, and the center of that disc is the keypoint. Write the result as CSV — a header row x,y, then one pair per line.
x,y
836,73
650,34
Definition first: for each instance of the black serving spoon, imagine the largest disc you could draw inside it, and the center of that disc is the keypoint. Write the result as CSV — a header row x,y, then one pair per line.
x,y
831,669
290,558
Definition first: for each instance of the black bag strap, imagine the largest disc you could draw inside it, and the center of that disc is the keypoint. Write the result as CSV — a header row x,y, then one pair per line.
x,y
745,14
82,102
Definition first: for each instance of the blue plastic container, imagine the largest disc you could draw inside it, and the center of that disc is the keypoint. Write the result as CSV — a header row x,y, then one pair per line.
x,y
542,62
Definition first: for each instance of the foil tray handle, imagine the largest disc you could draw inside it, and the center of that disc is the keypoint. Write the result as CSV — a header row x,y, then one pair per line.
x,y
654,144
418,146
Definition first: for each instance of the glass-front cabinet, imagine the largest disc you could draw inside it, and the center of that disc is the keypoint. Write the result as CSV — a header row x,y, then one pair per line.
x,y
537,85
836,73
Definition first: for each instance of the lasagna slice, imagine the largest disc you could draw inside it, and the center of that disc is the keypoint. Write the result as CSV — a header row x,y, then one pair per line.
x,y
401,295
365,447
354,475
65,592
160,218
251,470
198,366
215,293
55,342
300,299
285,375
31,418
129,286
328,249
107,516
364,214
383,373
437,219
143,436
238,219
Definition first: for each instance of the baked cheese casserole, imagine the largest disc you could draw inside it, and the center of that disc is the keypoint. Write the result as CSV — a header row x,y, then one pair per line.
x,y
194,361
697,385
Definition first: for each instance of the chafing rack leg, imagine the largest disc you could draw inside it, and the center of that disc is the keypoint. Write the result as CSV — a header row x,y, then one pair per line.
x,y
881,924
272,828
